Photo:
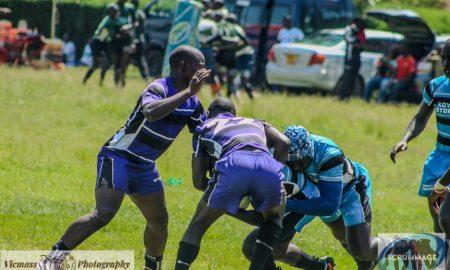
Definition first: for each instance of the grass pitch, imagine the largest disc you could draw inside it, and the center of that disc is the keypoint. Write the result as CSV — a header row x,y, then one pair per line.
x,y
52,128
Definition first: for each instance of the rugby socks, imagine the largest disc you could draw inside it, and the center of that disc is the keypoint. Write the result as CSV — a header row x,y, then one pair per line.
x,y
152,263
270,263
309,262
268,235
187,253
60,246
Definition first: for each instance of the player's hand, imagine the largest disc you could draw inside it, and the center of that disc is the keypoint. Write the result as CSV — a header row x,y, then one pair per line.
x,y
197,80
399,147
291,189
436,200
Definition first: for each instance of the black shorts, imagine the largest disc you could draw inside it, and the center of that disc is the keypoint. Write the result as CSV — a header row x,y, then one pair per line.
x,y
98,48
120,46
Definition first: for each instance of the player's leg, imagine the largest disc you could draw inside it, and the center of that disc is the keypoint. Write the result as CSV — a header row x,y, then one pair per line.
x,y
108,196
95,64
444,221
108,202
124,61
189,246
153,207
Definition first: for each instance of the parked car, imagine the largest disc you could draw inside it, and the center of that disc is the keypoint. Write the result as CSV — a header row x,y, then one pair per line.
x,y
318,61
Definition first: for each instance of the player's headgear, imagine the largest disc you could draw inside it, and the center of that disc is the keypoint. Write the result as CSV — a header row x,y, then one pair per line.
x,y
113,7
301,143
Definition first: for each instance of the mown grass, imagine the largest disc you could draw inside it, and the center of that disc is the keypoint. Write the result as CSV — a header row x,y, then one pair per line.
x,y
52,128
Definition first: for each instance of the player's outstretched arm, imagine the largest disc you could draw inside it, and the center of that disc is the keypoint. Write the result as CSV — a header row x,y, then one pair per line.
x,y
161,108
278,141
415,127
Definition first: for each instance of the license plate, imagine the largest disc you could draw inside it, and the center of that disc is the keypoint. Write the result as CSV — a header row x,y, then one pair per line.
x,y
291,59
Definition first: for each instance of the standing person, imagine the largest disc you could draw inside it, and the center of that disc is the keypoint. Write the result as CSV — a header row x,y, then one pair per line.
x,y
289,33
436,97
126,162
238,150
355,38
139,41
244,54
120,45
69,51
103,35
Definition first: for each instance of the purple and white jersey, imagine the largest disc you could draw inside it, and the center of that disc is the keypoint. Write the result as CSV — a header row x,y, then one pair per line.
x,y
145,141
225,133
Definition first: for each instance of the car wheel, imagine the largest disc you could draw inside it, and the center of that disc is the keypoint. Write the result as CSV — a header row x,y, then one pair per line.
x,y
155,59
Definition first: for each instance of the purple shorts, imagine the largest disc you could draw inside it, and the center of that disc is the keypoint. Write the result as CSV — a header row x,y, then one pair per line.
x,y
120,173
245,173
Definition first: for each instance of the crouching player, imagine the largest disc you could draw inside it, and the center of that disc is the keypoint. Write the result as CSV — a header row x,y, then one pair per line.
x,y
348,216
298,187
243,167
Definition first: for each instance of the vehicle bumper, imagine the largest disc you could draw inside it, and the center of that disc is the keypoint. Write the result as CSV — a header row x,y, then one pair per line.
x,y
315,76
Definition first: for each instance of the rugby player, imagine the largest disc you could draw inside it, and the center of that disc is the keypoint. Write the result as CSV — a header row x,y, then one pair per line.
x,y
347,215
104,34
443,210
298,187
126,163
236,148
436,97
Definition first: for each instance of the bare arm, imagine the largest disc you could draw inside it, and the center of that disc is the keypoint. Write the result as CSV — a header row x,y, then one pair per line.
x,y
200,167
415,127
161,108
277,140
250,217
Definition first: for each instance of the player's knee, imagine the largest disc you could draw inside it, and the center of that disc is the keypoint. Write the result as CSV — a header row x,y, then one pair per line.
x,y
103,217
444,222
159,221
249,244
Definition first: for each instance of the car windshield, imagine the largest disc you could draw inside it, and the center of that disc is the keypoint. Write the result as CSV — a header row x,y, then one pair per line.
x,y
323,39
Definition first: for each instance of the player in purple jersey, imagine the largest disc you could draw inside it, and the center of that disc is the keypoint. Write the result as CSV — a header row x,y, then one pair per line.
x,y
126,163
234,150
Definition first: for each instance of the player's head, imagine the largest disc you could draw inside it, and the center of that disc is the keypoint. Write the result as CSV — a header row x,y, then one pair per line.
x,y
185,61
287,21
302,148
216,4
121,2
221,105
113,10
217,16
232,18
446,58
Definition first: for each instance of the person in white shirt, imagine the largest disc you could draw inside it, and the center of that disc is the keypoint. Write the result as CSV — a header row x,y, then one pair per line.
x,y
69,51
289,33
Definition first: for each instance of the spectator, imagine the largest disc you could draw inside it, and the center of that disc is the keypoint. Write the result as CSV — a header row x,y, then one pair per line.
x,y
355,38
289,33
381,79
69,51
86,57
403,77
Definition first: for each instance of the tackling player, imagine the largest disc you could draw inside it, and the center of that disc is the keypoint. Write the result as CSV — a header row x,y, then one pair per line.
x,y
126,163
236,149
436,97
348,216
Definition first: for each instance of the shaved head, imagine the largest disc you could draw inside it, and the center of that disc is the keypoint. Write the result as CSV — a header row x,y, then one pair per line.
x,y
185,53
221,105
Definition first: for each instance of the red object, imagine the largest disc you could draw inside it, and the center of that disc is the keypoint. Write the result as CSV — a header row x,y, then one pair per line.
x,y
271,55
362,35
317,59
406,65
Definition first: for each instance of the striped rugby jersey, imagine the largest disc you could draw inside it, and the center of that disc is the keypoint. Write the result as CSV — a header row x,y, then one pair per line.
x,y
437,93
225,133
145,141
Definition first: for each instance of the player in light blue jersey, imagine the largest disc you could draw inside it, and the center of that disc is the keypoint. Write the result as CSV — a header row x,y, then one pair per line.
x,y
344,185
436,97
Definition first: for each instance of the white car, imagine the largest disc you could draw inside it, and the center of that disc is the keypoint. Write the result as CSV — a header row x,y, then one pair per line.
x,y
318,61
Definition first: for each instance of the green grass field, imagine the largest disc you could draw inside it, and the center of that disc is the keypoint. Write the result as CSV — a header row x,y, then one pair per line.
x,y
52,128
